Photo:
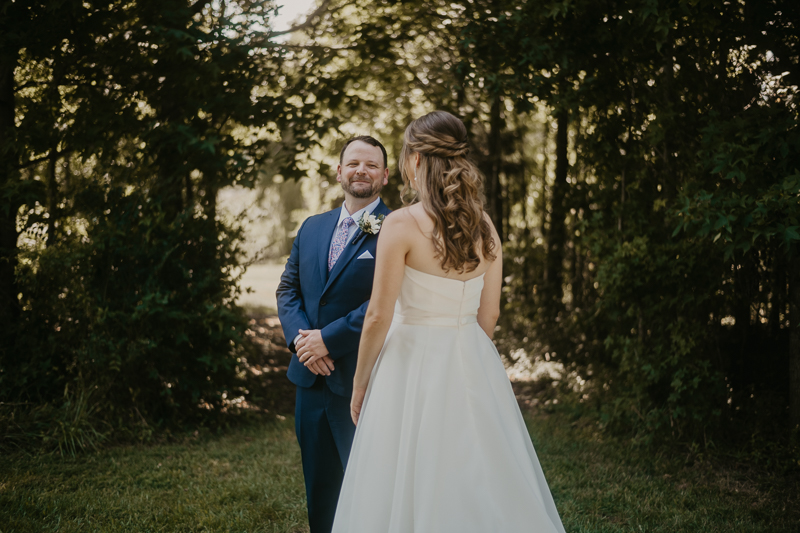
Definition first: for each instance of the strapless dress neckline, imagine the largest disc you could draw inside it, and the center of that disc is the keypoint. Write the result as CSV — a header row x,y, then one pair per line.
x,y
448,279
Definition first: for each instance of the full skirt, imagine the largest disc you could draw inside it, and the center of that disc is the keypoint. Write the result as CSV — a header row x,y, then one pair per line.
x,y
441,445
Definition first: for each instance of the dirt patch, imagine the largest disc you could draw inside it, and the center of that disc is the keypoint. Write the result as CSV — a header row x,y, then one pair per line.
x,y
265,366
269,389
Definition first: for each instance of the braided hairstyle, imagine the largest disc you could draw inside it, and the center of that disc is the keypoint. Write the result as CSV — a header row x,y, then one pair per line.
x,y
450,188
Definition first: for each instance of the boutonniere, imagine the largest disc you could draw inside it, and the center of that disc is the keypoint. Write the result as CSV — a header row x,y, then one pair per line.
x,y
370,224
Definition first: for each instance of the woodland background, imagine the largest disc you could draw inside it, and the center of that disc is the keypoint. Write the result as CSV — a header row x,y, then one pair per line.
x,y
642,163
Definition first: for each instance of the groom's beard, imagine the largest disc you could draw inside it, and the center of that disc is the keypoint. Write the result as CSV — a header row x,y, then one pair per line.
x,y
359,191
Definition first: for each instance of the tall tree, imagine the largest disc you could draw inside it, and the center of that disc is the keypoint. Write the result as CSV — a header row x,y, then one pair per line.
x,y
118,129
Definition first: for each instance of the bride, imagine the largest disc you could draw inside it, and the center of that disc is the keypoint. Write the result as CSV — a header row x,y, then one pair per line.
x,y
440,443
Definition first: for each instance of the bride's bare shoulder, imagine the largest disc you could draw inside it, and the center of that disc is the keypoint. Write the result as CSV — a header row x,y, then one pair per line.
x,y
399,213
397,221
407,210
410,215
397,217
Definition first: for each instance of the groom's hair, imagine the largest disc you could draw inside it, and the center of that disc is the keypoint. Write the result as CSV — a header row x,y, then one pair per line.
x,y
369,140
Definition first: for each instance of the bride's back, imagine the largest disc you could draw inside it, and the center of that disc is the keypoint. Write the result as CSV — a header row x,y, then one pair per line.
x,y
422,254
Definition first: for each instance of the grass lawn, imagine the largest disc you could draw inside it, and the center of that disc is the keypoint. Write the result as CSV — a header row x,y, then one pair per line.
x,y
247,480
250,480
601,484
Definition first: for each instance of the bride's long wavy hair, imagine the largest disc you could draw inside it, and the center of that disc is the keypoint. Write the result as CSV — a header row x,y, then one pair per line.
x,y
450,188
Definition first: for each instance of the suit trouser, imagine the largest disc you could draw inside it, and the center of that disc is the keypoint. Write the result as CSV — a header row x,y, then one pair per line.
x,y
325,432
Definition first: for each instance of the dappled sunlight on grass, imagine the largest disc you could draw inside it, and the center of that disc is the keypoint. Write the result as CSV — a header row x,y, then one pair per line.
x,y
248,480
603,484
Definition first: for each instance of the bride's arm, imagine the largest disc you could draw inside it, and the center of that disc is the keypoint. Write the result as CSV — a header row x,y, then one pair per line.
x,y
390,260
489,310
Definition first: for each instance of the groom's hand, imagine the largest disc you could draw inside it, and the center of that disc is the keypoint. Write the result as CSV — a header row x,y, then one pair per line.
x,y
313,353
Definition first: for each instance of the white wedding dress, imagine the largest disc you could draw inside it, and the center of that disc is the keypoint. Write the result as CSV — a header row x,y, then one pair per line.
x,y
441,445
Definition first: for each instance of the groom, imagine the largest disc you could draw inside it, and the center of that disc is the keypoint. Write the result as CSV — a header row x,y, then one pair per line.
x,y
322,299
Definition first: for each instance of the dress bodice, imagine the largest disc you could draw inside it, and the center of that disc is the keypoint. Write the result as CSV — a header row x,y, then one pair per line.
x,y
430,300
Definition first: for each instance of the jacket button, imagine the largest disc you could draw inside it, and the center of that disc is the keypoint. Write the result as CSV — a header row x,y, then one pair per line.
x,y
323,302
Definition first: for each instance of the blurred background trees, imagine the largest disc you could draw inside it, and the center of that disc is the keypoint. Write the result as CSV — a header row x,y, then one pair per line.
x,y
641,163
121,122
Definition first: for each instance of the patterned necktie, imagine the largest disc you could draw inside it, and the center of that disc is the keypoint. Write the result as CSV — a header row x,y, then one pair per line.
x,y
339,242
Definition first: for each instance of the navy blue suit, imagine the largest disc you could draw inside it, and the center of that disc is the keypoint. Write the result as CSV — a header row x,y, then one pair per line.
x,y
335,303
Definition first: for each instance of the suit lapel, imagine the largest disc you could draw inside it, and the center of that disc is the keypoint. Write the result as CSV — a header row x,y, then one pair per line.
x,y
355,245
325,237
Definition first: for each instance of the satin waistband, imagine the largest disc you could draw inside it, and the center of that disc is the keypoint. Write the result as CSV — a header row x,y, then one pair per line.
x,y
436,321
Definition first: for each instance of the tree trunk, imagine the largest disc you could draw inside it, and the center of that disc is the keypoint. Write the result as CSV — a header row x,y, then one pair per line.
x,y
494,191
778,292
794,340
210,190
9,173
577,275
52,198
743,296
542,204
556,236
621,201
666,82
168,188
189,190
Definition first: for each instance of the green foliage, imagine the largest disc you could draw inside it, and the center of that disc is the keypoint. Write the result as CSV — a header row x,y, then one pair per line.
x,y
73,427
756,197
651,138
681,208
641,163
120,123
139,316
657,337
671,235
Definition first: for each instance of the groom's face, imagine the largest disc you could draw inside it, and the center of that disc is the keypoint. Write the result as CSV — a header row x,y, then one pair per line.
x,y
361,171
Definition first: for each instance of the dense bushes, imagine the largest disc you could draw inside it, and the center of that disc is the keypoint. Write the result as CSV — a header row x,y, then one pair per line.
x,y
133,320
119,124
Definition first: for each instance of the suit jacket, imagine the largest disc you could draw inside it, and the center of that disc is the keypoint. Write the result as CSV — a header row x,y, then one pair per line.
x,y
311,298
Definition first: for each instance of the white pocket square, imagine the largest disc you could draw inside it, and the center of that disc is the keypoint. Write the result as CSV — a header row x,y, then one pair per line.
x,y
365,255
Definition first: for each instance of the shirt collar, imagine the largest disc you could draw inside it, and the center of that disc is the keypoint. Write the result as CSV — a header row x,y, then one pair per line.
x,y
343,214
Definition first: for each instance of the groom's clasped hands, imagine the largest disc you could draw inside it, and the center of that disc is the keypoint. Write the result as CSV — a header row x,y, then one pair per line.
x,y
313,353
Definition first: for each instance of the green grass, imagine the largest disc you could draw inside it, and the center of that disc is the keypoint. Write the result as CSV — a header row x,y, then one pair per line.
x,y
604,485
250,480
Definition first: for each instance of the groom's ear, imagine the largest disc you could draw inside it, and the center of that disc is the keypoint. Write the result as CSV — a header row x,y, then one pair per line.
x,y
386,176
339,173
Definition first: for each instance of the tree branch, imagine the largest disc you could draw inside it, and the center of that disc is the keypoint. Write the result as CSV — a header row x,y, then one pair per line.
x,y
29,84
198,6
318,47
309,19
32,162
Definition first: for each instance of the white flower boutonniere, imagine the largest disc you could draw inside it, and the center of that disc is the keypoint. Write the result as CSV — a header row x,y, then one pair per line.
x,y
370,224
